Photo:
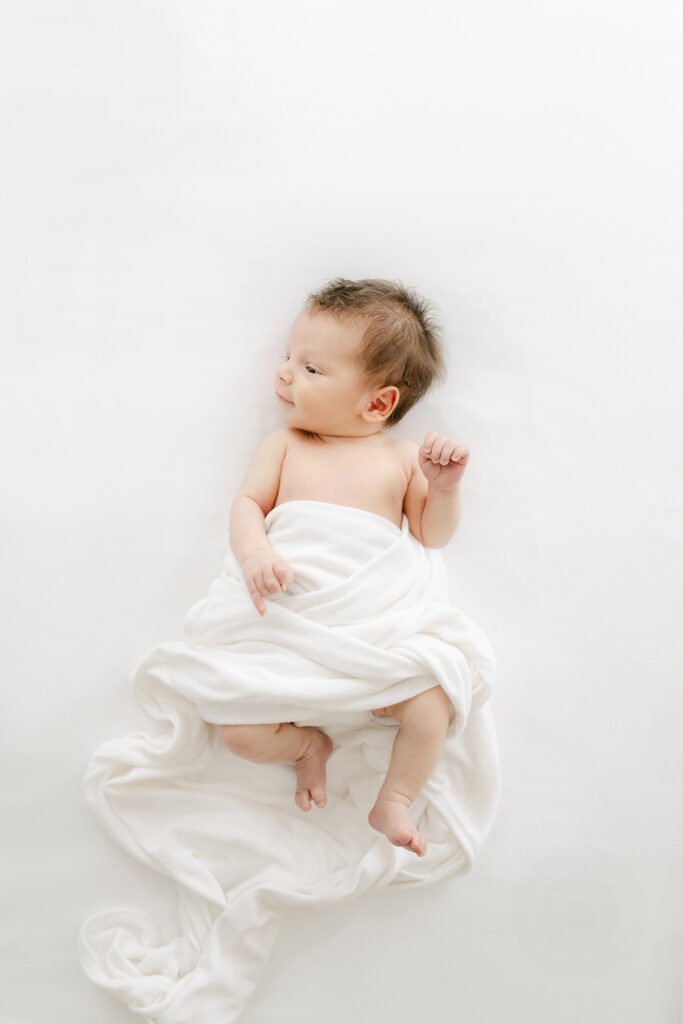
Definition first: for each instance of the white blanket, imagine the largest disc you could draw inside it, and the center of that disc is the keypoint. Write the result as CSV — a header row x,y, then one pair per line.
x,y
365,623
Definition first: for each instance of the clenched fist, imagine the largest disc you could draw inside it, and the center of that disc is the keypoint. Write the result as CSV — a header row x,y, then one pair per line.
x,y
442,461
265,573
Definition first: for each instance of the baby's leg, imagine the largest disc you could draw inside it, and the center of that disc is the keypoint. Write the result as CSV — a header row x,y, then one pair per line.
x,y
306,747
414,756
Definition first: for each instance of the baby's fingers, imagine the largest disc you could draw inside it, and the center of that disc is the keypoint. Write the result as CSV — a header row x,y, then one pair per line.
x,y
447,451
256,596
271,583
436,449
284,575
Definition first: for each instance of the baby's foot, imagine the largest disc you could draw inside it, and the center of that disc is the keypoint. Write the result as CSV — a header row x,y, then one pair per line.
x,y
390,816
310,770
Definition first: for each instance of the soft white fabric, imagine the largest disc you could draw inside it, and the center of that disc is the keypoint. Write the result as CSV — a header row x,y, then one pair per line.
x,y
366,622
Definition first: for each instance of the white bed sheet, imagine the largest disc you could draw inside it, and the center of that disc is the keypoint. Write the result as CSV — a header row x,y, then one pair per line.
x,y
179,178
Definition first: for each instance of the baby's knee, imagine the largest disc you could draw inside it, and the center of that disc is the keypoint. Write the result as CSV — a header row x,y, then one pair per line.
x,y
429,710
246,739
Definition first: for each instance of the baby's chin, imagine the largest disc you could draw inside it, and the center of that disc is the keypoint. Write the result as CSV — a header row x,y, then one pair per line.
x,y
306,430
311,430
312,434
292,416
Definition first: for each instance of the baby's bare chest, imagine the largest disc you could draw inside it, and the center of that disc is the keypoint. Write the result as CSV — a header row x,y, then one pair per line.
x,y
374,479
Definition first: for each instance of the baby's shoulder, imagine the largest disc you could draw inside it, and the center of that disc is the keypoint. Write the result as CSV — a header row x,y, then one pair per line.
x,y
404,452
288,437
407,450
406,445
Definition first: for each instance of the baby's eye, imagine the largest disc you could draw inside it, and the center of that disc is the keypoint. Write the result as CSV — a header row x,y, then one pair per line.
x,y
285,357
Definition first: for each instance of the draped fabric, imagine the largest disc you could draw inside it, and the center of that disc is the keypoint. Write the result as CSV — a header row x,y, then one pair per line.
x,y
366,622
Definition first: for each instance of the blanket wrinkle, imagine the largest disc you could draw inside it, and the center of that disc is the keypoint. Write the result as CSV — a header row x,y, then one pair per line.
x,y
366,622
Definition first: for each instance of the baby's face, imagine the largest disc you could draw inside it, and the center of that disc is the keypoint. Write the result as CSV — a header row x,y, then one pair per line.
x,y
320,376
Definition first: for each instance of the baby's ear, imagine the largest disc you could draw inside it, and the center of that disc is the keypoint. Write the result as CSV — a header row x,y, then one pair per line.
x,y
386,400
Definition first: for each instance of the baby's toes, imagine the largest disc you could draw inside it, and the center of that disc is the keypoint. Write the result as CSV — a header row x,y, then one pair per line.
x,y
419,844
319,796
303,799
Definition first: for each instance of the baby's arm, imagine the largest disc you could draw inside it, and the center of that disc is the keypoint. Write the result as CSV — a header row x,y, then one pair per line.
x,y
264,571
432,500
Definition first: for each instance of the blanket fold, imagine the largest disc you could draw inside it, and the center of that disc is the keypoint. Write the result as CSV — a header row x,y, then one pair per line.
x,y
365,623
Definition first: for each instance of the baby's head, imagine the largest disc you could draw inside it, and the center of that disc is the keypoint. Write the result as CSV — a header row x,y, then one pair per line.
x,y
358,357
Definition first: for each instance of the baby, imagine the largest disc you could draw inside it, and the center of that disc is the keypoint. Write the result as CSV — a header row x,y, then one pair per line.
x,y
358,357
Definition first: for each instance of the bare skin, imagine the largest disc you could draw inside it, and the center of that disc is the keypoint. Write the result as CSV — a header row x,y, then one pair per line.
x,y
414,756
304,746
370,473
310,771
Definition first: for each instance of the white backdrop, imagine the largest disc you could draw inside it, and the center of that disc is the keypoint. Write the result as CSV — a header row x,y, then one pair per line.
x,y
176,177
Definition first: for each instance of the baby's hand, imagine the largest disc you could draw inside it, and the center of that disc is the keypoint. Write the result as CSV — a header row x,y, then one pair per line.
x,y
443,462
265,573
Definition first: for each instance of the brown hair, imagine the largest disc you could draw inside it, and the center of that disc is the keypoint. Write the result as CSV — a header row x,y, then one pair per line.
x,y
401,345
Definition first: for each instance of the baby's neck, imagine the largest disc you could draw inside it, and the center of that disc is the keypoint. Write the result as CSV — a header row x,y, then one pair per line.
x,y
339,439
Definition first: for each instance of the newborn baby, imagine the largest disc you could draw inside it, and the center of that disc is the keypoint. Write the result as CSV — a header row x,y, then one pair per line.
x,y
358,357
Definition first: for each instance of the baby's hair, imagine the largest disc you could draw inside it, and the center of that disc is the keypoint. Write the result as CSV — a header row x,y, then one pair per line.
x,y
401,345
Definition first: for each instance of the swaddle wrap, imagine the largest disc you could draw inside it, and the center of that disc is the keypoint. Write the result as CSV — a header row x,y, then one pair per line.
x,y
364,623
